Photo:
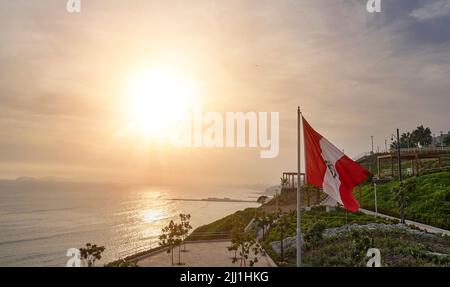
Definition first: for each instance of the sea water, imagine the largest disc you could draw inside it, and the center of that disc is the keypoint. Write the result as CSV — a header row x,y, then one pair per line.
x,y
40,221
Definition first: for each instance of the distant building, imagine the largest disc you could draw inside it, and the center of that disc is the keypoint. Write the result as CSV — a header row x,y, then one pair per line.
x,y
437,140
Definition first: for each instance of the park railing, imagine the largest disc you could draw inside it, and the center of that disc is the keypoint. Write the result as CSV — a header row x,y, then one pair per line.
x,y
444,149
423,149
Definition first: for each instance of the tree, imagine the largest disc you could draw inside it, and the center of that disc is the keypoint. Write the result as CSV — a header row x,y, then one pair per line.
x,y
234,248
237,228
91,253
249,249
406,140
446,140
244,243
421,136
282,228
265,221
262,199
170,237
186,227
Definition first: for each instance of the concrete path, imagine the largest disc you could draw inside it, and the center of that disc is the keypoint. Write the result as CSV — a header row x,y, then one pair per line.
x,y
428,228
212,253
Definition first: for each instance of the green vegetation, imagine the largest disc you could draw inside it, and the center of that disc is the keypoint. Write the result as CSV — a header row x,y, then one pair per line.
x,y
245,244
221,228
398,246
122,263
174,234
341,238
310,195
169,237
262,199
185,227
428,202
420,136
446,140
331,219
426,166
313,223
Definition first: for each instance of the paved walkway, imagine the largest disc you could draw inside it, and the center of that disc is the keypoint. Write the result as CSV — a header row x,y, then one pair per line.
x,y
200,254
422,226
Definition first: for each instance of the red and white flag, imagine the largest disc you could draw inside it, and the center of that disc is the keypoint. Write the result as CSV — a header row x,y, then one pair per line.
x,y
329,168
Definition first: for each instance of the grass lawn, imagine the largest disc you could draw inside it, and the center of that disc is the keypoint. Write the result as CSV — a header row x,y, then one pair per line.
x,y
428,203
223,225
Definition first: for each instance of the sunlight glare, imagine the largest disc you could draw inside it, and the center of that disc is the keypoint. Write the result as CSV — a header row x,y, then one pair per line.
x,y
152,215
159,100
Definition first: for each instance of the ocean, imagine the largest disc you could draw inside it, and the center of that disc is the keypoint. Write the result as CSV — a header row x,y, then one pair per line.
x,y
40,221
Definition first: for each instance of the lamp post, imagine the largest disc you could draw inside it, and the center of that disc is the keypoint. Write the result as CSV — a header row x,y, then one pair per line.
x,y
371,138
398,156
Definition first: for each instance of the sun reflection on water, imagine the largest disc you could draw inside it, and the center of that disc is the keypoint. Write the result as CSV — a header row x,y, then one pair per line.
x,y
152,215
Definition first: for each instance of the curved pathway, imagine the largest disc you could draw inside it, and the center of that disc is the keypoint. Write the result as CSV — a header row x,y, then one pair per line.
x,y
428,228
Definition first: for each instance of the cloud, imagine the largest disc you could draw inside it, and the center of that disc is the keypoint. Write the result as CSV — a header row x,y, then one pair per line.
x,y
354,73
432,10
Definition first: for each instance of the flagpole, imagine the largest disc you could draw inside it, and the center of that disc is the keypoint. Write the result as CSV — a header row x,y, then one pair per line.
x,y
299,230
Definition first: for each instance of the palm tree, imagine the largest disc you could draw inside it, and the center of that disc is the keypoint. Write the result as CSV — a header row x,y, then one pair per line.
x,y
422,136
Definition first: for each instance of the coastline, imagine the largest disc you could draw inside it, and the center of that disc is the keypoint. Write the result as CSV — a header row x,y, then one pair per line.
x,y
246,214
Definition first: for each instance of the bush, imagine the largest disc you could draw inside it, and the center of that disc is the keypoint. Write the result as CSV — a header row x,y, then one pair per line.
x,y
314,235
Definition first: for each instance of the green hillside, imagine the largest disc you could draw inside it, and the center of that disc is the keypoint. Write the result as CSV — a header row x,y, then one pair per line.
x,y
340,238
221,228
428,203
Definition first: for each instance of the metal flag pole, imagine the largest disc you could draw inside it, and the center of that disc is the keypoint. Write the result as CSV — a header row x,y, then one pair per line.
x,y
299,230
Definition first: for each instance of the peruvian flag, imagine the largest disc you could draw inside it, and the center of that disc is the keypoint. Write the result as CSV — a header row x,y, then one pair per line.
x,y
329,168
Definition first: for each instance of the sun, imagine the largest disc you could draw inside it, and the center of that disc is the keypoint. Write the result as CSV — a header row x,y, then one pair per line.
x,y
158,100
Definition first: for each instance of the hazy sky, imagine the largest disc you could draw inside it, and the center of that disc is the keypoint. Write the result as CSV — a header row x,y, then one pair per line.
x,y
354,74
